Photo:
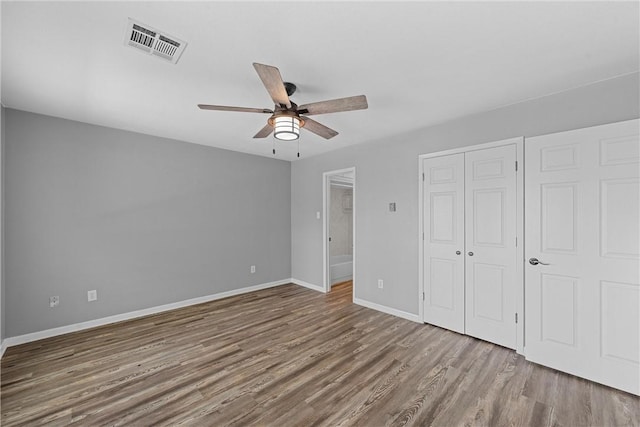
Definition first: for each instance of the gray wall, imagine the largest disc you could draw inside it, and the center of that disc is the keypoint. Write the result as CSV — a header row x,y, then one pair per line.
x,y
143,220
386,244
149,221
2,286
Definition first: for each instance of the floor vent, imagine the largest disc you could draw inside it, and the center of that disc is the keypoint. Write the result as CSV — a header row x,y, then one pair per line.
x,y
153,42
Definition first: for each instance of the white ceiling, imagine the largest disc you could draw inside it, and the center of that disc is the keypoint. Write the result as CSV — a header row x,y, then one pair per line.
x,y
419,63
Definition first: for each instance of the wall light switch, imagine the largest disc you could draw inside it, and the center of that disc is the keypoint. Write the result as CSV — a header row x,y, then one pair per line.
x,y
318,215
253,269
92,295
392,207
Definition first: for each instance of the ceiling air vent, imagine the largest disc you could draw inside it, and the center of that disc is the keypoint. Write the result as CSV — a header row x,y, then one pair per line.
x,y
153,42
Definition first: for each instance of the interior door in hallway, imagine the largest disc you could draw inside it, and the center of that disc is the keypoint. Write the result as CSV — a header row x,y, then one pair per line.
x,y
582,232
491,255
443,226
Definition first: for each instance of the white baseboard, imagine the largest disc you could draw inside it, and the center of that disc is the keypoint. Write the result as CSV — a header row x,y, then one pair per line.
x,y
364,303
34,336
308,285
336,280
388,310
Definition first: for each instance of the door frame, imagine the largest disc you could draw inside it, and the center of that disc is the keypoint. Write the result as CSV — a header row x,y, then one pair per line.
x,y
326,194
519,143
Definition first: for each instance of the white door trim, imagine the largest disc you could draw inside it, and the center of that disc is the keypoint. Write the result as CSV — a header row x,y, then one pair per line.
x,y
519,143
476,147
326,178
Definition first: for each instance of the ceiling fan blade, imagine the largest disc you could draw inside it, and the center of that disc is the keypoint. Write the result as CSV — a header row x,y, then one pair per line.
x,y
264,132
272,80
318,129
335,105
238,109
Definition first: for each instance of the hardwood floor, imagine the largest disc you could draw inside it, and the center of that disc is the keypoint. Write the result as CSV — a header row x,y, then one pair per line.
x,y
291,356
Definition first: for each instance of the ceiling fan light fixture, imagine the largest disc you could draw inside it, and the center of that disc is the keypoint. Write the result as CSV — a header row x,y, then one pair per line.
x,y
287,128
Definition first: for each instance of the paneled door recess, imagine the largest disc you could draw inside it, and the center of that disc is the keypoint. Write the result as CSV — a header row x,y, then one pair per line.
x,y
470,247
582,249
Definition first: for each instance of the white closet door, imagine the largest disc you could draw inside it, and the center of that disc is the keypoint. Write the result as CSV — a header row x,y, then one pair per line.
x,y
490,193
443,225
582,221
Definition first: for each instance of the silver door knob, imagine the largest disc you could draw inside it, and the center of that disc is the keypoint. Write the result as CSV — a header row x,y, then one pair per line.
x,y
470,253
458,252
535,261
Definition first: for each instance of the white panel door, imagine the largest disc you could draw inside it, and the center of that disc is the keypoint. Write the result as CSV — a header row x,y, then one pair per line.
x,y
491,230
582,198
443,225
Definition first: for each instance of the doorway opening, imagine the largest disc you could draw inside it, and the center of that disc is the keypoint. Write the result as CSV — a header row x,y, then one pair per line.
x,y
339,229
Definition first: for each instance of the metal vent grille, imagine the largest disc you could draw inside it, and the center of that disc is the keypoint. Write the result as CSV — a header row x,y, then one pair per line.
x,y
140,35
153,42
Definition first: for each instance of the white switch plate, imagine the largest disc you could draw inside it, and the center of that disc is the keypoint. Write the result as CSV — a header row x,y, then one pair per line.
x,y
54,301
380,283
253,269
92,295
318,215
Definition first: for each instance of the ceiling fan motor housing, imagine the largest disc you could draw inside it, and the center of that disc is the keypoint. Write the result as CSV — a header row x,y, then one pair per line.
x,y
290,88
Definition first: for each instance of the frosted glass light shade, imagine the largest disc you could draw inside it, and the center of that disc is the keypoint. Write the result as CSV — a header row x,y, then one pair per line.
x,y
287,128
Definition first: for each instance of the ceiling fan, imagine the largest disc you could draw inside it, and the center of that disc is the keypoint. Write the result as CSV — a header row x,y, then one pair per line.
x,y
286,117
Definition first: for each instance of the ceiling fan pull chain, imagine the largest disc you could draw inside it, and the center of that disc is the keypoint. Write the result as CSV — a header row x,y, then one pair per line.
x,y
274,147
298,147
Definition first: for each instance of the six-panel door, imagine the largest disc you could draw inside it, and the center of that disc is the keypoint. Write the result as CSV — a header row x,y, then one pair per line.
x,y
490,244
582,219
443,227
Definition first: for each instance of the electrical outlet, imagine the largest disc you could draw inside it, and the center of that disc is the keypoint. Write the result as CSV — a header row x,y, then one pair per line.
x,y
54,301
92,295
253,269
380,284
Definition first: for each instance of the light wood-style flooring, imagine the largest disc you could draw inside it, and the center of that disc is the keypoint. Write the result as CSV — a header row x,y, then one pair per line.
x,y
290,356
